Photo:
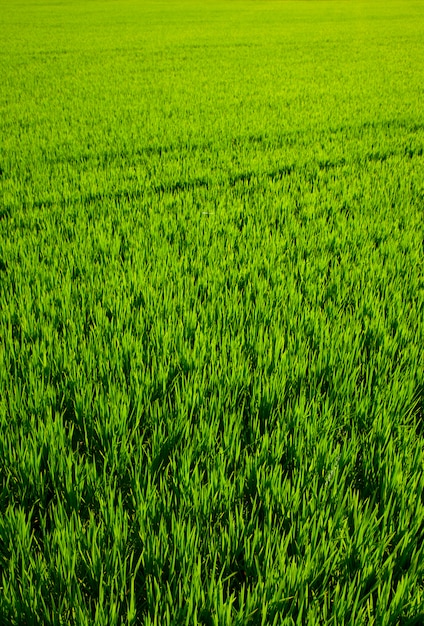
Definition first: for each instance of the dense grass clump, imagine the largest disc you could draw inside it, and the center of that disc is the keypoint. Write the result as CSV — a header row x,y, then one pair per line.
x,y
212,313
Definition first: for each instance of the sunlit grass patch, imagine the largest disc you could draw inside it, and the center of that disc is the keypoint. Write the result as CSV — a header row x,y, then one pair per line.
x,y
211,330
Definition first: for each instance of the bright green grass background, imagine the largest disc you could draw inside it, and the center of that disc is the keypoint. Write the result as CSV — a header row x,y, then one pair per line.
x,y
212,313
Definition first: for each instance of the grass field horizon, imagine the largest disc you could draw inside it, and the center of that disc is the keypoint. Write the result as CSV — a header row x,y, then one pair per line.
x,y
211,313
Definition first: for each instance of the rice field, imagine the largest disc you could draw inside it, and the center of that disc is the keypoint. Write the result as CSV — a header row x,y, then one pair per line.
x,y
211,312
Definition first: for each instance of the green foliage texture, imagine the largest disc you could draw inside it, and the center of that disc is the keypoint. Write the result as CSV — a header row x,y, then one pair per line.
x,y
211,312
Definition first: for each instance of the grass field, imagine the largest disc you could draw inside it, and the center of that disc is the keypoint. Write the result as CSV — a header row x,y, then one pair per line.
x,y
211,312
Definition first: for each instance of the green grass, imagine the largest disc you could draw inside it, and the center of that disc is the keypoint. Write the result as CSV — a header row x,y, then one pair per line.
x,y
211,313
